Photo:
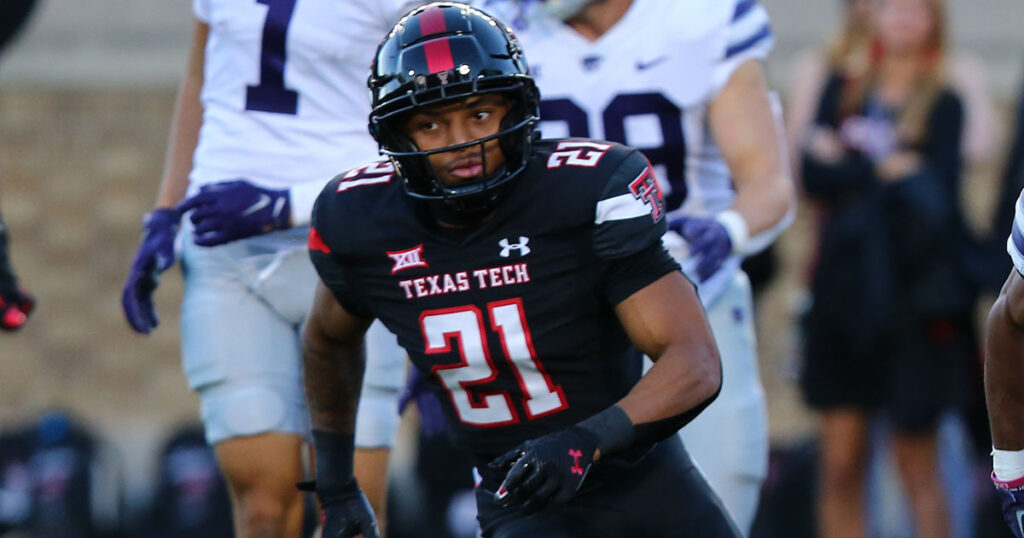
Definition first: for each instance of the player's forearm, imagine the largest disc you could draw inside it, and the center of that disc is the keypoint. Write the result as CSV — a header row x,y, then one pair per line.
x,y
1004,376
185,124
333,374
747,126
681,384
684,379
766,201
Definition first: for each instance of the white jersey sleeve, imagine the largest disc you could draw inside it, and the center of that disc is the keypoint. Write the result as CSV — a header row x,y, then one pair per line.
x,y
748,36
1015,243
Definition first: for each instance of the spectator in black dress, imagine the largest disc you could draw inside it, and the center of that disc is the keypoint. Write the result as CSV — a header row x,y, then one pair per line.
x,y
889,321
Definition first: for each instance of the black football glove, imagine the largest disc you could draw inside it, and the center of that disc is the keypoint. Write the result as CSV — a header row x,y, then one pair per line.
x,y
15,303
347,513
15,306
549,469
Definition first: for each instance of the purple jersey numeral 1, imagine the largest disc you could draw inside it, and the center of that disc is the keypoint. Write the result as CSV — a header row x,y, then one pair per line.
x,y
271,95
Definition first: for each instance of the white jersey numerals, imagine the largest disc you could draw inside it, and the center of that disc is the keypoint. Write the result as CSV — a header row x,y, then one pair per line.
x,y
585,154
466,380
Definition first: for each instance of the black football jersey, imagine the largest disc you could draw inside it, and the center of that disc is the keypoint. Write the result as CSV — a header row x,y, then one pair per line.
x,y
513,321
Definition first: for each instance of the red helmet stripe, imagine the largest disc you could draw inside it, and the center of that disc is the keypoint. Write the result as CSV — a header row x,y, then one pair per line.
x,y
438,51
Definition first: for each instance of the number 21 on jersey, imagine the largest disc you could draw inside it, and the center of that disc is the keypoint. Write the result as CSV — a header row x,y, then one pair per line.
x,y
465,381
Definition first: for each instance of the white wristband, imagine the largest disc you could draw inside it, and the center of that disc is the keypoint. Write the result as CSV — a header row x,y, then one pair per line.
x,y
302,197
736,227
1008,464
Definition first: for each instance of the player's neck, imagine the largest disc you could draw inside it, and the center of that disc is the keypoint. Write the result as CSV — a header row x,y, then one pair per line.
x,y
456,222
598,17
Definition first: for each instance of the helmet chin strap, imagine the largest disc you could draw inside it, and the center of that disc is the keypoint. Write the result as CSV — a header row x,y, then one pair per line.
x,y
451,212
473,209
448,209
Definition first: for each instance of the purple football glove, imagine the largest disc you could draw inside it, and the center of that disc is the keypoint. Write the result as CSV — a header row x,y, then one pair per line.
x,y
708,240
1012,494
432,421
155,255
232,210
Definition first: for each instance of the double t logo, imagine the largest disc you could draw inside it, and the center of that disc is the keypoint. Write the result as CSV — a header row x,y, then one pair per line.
x,y
645,188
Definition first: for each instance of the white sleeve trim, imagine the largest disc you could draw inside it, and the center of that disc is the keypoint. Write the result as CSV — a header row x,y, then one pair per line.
x,y
621,207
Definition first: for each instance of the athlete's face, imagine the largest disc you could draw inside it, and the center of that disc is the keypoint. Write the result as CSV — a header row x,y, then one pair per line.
x,y
456,123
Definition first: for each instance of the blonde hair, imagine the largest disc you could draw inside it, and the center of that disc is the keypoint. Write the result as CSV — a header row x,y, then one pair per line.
x,y
848,49
931,80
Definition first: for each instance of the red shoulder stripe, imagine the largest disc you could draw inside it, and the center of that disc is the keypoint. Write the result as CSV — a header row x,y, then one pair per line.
x,y
316,242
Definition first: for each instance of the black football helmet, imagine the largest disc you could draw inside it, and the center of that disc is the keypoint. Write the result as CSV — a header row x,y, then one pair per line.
x,y
441,52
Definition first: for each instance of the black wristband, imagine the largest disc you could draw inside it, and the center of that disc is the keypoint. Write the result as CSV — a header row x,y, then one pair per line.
x,y
334,468
613,429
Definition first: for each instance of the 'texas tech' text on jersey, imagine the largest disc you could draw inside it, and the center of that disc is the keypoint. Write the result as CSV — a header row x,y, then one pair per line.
x,y
514,320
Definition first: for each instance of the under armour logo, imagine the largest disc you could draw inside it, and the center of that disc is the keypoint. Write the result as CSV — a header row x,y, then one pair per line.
x,y
645,188
407,259
576,455
507,248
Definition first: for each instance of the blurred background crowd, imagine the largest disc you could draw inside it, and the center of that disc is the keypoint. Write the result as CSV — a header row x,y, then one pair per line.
x,y
98,433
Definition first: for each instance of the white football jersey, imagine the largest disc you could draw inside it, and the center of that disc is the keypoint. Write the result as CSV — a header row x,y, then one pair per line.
x,y
647,83
284,93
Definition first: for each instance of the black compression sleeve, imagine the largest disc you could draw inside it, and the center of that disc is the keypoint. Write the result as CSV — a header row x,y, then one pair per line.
x,y
649,433
334,467
616,433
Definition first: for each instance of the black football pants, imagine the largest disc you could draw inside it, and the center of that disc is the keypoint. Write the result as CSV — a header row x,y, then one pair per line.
x,y
661,496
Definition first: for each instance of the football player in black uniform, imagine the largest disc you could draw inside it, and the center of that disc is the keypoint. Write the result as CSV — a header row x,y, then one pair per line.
x,y
521,276
15,303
